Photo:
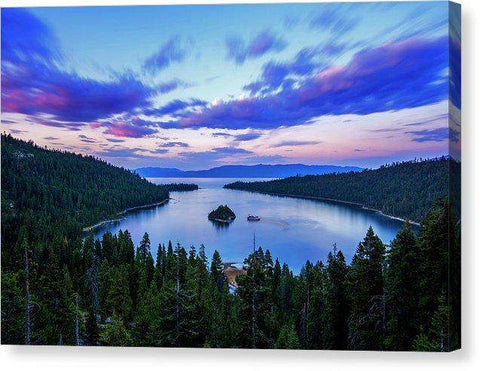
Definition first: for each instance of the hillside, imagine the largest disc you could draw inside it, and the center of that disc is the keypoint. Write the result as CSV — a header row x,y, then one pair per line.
x,y
41,188
246,171
407,190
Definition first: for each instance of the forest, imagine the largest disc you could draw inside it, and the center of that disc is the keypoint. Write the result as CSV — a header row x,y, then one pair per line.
x,y
61,287
403,189
44,189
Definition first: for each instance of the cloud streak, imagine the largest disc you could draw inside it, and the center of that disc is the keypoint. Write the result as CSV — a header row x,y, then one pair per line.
x,y
295,143
394,76
433,135
126,128
262,43
170,52
33,83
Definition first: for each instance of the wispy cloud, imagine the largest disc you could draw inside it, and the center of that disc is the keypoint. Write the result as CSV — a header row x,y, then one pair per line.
x,y
295,143
433,135
33,83
127,128
334,20
394,76
261,44
171,52
176,107
174,144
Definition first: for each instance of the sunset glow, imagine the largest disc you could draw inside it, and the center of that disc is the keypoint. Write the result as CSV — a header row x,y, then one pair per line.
x,y
196,87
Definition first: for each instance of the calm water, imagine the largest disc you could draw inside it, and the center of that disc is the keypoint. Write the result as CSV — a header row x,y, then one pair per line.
x,y
293,229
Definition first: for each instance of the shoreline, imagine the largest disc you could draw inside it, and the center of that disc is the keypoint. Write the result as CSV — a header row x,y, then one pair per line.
x,y
123,212
333,200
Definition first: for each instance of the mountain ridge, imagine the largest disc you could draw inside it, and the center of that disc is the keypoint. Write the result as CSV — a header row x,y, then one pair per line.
x,y
246,171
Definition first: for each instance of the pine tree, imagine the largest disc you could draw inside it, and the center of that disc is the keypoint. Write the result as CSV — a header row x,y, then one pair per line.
x,y
335,314
115,333
436,338
13,309
288,338
439,273
216,270
91,328
401,298
367,320
143,251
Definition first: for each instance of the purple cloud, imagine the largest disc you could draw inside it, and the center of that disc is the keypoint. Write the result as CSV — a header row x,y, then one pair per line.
x,y
127,128
333,48
170,52
160,151
294,143
455,80
433,135
247,137
85,139
397,75
176,107
335,21
33,84
239,137
261,44
231,151
275,74
174,144
223,135
169,86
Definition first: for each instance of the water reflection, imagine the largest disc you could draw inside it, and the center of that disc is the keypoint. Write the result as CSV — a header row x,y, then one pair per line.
x,y
219,225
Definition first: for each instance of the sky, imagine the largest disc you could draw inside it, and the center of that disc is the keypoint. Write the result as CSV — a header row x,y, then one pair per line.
x,y
194,87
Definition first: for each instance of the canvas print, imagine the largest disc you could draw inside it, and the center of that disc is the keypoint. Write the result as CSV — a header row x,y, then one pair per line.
x,y
281,176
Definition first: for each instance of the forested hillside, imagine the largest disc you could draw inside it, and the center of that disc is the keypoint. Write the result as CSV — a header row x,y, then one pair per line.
x,y
44,189
107,292
60,288
407,189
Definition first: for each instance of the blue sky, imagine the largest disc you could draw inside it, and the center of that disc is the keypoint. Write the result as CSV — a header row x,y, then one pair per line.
x,y
201,86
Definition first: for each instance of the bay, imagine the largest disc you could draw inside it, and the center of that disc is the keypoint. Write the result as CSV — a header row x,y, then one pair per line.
x,y
294,230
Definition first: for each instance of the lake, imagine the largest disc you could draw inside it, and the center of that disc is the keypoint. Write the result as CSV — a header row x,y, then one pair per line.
x,y
293,229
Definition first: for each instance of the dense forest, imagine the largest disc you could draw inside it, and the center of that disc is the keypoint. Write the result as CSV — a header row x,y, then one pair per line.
x,y
42,189
60,288
404,189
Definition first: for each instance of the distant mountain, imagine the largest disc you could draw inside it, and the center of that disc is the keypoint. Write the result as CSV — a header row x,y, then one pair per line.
x,y
246,171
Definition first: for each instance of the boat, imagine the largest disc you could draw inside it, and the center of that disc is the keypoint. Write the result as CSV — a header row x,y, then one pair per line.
x,y
253,218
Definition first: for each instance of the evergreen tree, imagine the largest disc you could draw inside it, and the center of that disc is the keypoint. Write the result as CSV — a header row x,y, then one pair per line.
x,y
367,320
401,294
336,312
216,270
115,333
288,338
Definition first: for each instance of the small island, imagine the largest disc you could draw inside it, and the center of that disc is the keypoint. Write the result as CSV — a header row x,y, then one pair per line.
x,y
222,214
